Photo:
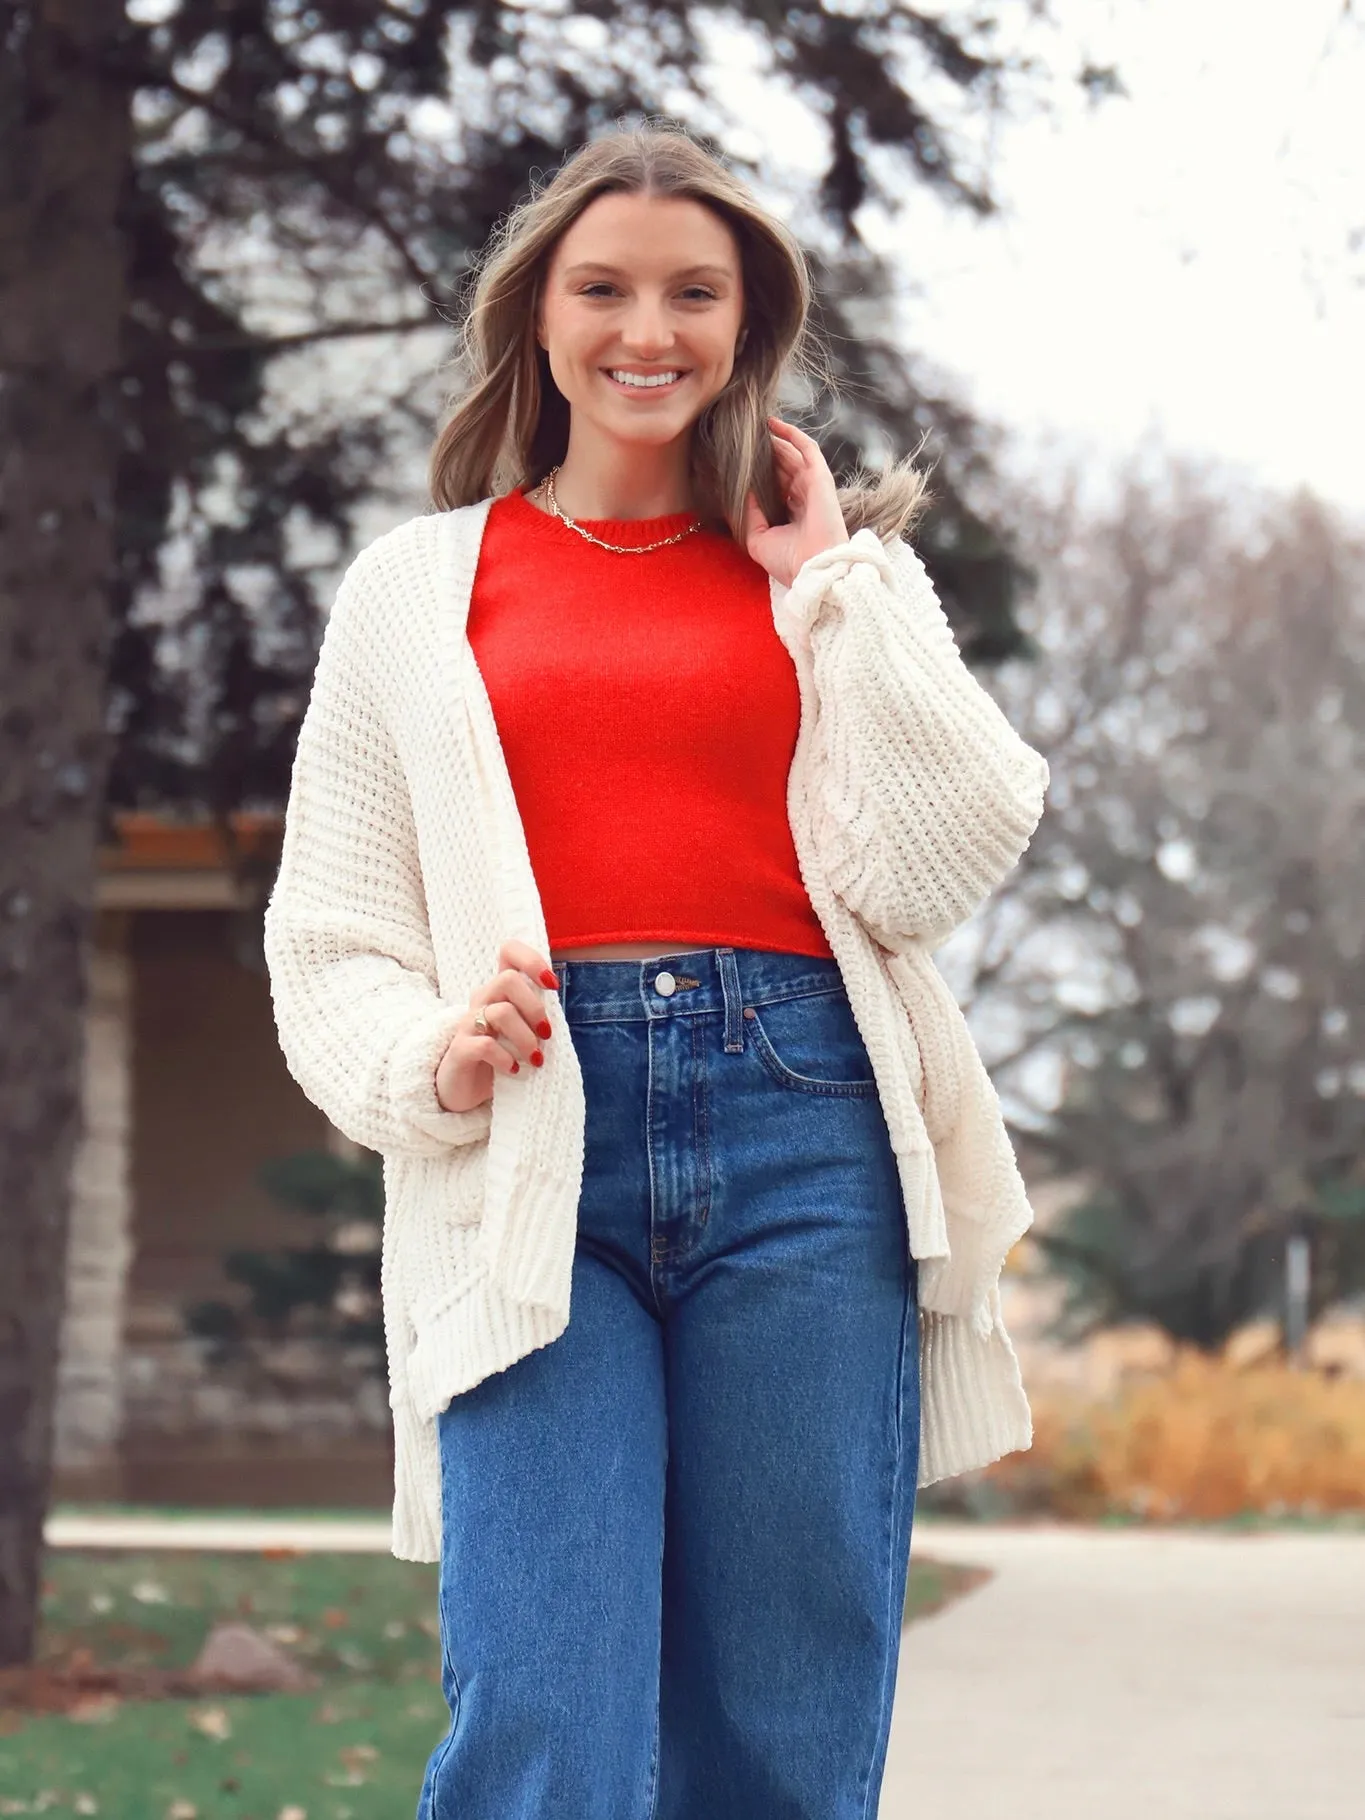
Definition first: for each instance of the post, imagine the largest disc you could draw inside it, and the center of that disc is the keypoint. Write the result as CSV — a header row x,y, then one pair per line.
x,y
1298,1280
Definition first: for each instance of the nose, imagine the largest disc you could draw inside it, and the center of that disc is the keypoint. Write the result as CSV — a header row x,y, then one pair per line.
x,y
645,330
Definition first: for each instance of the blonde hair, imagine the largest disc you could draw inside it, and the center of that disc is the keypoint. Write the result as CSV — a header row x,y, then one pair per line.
x,y
510,422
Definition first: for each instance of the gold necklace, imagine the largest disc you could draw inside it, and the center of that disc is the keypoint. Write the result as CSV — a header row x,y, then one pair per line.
x,y
621,549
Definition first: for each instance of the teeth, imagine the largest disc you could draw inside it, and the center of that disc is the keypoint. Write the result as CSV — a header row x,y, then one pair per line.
x,y
645,379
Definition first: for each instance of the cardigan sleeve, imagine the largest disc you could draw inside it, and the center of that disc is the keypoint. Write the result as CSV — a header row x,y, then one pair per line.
x,y
925,796
360,1018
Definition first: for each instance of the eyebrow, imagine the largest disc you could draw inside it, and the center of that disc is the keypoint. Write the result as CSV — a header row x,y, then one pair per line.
x,y
691,271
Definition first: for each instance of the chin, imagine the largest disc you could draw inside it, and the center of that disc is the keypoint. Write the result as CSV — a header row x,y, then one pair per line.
x,y
651,435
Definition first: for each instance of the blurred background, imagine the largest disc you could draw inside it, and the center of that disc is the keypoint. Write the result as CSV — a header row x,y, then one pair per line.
x,y
1102,263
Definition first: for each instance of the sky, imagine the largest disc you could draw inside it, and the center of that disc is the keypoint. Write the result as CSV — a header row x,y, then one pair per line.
x,y
1174,266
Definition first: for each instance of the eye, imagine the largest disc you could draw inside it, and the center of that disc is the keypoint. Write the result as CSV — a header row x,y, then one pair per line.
x,y
707,296
598,284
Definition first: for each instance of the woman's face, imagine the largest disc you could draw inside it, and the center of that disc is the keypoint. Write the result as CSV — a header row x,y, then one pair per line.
x,y
642,285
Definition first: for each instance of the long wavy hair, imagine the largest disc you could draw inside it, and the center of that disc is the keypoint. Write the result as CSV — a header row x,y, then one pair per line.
x,y
510,422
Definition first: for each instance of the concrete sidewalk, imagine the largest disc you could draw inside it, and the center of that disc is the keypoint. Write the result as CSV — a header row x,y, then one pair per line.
x,y
349,1535
1136,1675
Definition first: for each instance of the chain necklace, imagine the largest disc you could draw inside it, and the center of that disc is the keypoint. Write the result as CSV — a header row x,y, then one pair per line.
x,y
622,549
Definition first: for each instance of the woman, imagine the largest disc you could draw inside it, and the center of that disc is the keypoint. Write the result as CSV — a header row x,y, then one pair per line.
x,y
635,786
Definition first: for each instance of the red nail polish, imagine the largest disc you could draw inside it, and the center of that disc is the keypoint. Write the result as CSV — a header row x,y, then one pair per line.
x,y
543,1027
548,979
516,1067
537,1058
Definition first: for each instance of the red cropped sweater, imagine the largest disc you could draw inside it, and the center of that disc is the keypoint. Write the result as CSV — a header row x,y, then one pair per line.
x,y
648,712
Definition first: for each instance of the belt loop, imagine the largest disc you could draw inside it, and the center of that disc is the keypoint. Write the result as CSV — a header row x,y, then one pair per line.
x,y
734,1002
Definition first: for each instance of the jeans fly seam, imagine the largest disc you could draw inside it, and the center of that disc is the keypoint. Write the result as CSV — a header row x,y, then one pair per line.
x,y
703,1080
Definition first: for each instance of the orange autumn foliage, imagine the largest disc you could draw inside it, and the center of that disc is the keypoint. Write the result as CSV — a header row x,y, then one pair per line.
x,y
1202,1441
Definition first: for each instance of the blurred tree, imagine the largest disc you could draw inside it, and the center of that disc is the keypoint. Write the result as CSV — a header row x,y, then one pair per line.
x,y
1193,965
204,200
332,1284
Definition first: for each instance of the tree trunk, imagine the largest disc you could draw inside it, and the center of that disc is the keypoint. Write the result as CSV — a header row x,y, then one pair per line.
x,y
88,1420
65,141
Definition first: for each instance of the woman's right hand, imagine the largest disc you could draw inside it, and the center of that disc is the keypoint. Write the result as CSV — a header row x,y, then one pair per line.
x,y
517,1025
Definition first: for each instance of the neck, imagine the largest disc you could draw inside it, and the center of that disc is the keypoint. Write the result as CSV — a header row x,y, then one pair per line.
x,y
624,480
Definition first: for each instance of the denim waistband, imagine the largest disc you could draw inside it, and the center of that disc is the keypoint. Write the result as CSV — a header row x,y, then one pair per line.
x,y
687,982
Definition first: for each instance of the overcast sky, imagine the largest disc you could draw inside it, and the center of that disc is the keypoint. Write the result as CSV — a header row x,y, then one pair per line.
x,y
1176,265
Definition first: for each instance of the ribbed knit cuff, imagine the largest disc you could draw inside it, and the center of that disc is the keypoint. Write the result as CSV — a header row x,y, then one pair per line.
x,y
818,573
469,1339
973,1409
965,1283
412,1080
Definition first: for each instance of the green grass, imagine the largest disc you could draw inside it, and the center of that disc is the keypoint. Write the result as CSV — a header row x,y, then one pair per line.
x,y
353,1749
357,1754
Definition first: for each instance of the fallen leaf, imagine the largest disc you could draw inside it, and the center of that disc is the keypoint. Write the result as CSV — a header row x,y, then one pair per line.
x,y
97,1710
292,1812
213,1721
182,1810
279,1553
86,1804
395,1628
334,1618
326,1715
151,1592
355,1756
283,1633
101,1601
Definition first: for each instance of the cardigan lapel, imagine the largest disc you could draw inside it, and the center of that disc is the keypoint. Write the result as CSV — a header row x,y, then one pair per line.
x,y
519,897
518,1177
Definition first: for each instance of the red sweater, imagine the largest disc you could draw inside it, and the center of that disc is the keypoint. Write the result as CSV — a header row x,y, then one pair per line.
x,y
648,712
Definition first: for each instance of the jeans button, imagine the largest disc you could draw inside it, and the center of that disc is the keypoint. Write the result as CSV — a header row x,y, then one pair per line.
x,y
665,983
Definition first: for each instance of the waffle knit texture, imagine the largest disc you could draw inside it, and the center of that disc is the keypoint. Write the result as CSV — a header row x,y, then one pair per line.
x,y
405,865
648,713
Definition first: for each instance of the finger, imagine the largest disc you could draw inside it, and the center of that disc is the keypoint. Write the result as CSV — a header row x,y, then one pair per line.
x,y
497,1054
806,444
536,966
507,1025
755,521
513,986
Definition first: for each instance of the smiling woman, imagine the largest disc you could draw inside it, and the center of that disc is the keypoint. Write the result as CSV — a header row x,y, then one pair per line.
x,y
657,1238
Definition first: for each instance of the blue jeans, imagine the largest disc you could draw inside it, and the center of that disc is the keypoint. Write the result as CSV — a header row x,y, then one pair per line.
x,y
675,1540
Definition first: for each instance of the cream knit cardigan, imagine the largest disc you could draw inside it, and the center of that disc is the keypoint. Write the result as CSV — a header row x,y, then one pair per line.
x,y
405,865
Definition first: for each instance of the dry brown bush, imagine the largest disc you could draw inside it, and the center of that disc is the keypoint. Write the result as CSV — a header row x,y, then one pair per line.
x,y
1202,1441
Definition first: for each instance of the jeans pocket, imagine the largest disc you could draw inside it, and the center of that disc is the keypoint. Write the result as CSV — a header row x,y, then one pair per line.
x,y
812,1044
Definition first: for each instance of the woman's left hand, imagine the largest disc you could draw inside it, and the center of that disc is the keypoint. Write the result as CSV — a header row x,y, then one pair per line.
x,y
807,485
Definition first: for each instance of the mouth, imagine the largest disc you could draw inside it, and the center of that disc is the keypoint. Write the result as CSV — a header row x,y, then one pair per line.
x,y
645,385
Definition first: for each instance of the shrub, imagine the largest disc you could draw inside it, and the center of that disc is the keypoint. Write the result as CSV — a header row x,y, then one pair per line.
x,y
1203,1441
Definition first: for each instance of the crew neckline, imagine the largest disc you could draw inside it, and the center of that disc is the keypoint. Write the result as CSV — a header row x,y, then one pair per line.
x,y
631,531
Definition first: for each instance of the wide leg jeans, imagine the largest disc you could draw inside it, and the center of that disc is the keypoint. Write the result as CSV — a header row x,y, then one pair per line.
x,y
675,1541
